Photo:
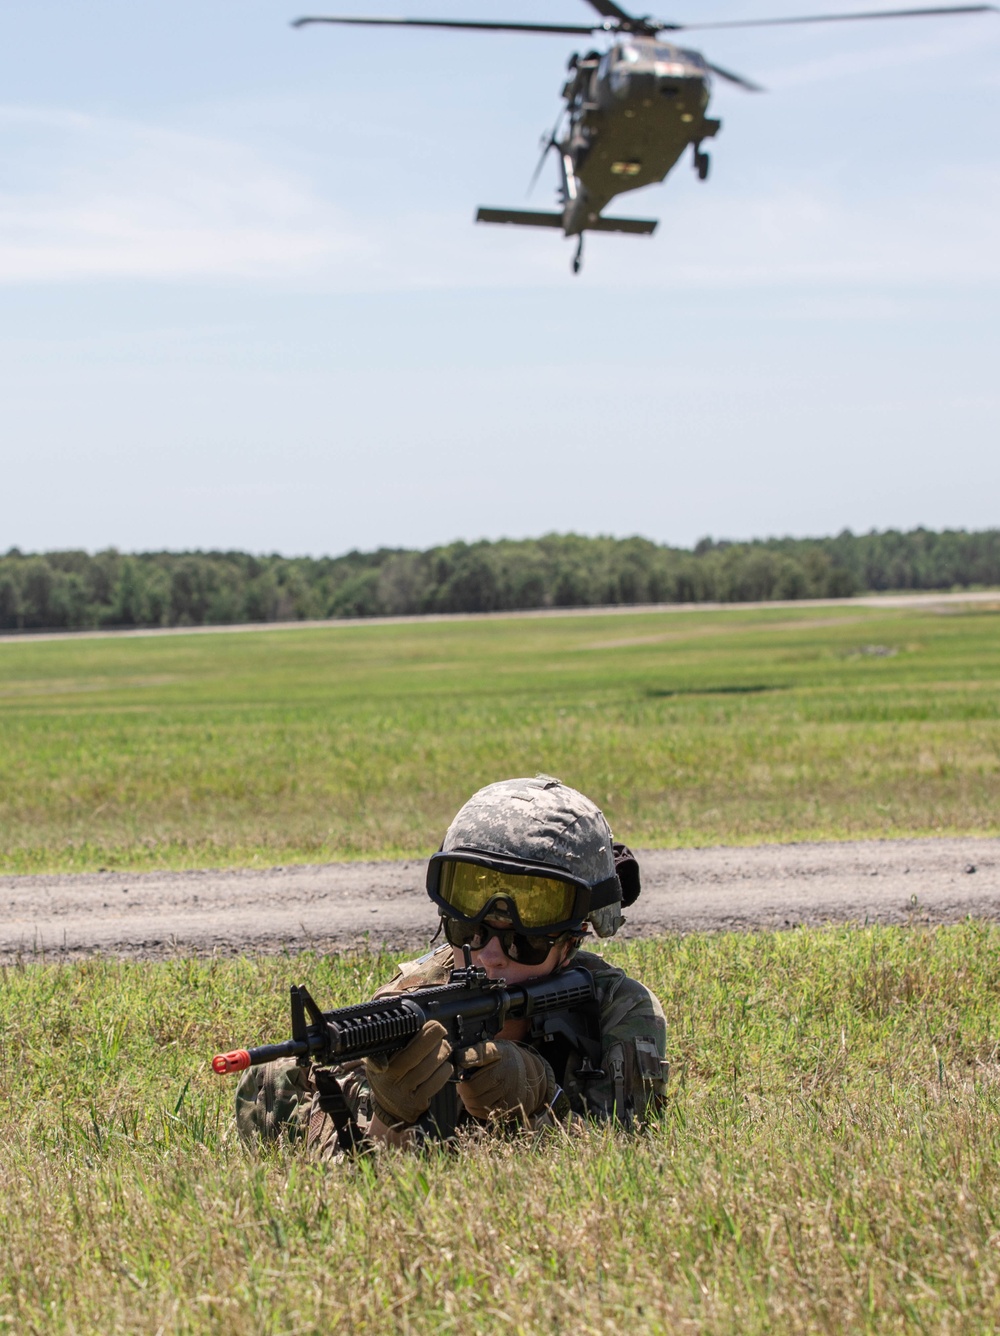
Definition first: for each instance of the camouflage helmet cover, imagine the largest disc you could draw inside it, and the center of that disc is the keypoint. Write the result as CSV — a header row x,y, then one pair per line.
x,y
540,822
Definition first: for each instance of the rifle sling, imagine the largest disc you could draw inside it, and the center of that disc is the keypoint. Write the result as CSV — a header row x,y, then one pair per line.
x,y
330,1100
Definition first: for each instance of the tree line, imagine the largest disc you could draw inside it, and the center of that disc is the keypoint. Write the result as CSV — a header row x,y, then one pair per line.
x,y
78,590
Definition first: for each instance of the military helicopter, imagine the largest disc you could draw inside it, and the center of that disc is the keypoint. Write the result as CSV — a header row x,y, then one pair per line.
x,y
630,111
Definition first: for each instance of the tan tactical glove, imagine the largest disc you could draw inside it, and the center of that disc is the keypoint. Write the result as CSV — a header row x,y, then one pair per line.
x,y
506,1079
404,1083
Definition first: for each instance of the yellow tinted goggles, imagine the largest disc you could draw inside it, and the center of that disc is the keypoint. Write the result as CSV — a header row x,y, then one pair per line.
x,y
469,889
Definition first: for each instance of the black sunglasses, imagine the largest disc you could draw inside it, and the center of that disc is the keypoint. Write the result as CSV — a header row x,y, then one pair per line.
x,y
525,948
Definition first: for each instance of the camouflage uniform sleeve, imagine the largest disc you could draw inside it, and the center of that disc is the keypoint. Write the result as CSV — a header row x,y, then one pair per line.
x,y
633,1047
272,1102
284,1101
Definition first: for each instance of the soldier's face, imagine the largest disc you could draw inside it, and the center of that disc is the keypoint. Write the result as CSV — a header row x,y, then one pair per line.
x,y
498,965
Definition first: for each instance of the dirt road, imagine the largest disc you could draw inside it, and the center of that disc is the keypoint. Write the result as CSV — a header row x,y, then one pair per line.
x,y
938,602
340,905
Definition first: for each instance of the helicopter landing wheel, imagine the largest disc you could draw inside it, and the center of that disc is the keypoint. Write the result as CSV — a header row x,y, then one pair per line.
x,y
578,257
702,162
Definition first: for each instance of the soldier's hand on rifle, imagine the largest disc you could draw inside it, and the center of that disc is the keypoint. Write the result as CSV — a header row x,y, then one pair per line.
x,y
503,1079
404,1084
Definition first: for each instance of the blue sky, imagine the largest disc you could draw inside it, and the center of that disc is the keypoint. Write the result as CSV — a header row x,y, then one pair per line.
x,y
244,304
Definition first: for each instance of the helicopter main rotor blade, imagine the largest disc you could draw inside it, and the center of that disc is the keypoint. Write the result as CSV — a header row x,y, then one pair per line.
x,y
574,30
737,79
617,19
608,10
835,18
548,144
538,170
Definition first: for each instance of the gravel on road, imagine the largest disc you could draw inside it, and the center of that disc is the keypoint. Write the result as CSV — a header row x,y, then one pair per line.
x,y
338,906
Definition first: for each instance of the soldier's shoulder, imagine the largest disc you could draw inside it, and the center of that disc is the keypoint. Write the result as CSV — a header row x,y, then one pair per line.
x,y
590,960
433,968
605,974
617,991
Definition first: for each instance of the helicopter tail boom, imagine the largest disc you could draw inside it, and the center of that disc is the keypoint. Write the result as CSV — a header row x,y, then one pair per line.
x,y
534,218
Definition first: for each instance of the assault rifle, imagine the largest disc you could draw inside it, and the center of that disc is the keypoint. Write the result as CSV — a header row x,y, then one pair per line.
x,y
470,1006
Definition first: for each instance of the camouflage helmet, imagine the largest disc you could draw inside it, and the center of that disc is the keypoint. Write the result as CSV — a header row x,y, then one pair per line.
x,y
542,822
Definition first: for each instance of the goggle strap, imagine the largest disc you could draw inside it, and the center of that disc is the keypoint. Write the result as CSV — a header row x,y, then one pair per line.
x,y
606,892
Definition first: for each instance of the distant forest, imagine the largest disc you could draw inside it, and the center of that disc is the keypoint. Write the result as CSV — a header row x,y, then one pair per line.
x,y
75,590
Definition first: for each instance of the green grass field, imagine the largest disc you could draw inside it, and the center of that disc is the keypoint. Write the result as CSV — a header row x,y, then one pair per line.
x,y
829,1160
830,1157
692,728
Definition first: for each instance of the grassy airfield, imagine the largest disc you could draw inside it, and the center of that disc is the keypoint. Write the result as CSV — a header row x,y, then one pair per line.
x,y
830,1157
830,1160
689,728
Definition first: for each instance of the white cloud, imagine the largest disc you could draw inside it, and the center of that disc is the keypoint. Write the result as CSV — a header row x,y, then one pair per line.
x,y
106,198
943,230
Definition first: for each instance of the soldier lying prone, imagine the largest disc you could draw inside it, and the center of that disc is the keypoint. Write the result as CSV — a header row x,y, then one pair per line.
x,y
507,1023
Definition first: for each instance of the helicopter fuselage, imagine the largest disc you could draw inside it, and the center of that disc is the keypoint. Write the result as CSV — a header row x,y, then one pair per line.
x,y
632,113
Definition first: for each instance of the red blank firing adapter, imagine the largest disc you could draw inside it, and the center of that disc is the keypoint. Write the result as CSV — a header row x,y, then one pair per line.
x,y
237,1061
